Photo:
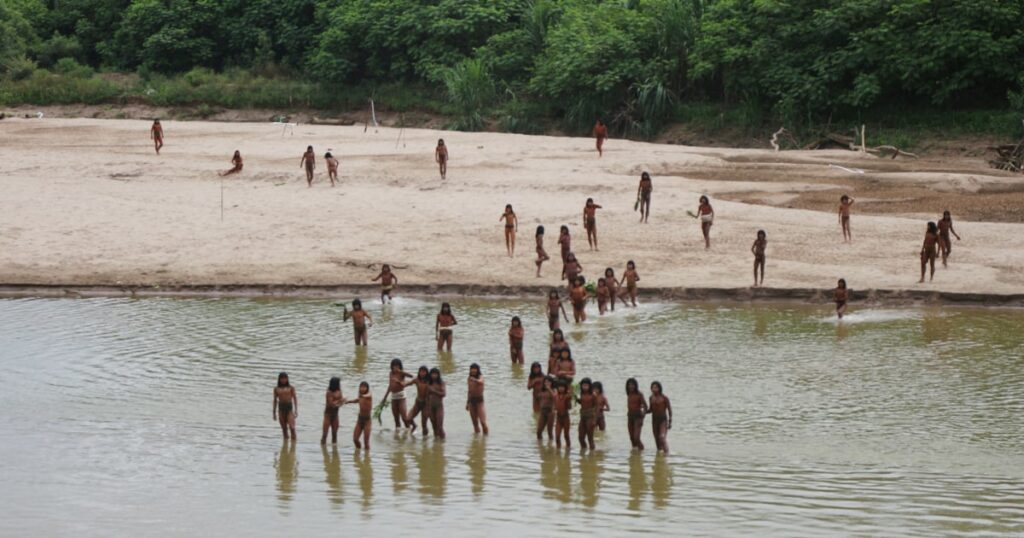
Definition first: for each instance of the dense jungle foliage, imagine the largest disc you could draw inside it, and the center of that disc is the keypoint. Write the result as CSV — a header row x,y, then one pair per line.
x,y
637,63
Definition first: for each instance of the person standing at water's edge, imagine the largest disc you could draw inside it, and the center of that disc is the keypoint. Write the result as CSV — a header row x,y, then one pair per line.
x,y
331,407
156,133
511,227
627,286
443,327
590,222
441,157
286,405
363,422
600,133
643,196
475,399
841,295
928,251
309,162
361,319
388,281
636,408
757,249
578,296
661,416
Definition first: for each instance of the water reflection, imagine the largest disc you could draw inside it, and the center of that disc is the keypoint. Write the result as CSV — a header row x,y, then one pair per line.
x,y
332,470
431,464
446,362
760,323
591,468
399,471
936,327
842,331
661,481
637,480
287,471
364,468
359,360
476,458
556,473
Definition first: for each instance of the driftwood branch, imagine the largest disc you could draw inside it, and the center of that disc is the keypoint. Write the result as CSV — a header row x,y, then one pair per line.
x,y
783,134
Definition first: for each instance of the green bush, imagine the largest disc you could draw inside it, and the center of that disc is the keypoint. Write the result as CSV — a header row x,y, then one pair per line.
x,y
57,47
18,67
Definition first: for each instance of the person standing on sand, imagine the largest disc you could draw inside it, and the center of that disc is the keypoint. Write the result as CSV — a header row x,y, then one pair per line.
x,y
443,327
571,270
441,157
643,196
600,134
542,255
757,249
706,215
928,251
511,227
565,241
841,295
590,222
361,319
388,282
309,161
844,217
946,228
156,133
332,167
236,162
286,405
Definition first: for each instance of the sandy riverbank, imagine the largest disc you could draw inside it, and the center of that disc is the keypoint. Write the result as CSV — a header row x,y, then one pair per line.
x,y
87,202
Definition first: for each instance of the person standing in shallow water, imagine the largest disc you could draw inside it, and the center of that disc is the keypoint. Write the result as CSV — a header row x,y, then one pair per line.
x,y
661,416
516,334
388,281
436,391
422,382
441,157
363,423
588,413
475,399
286,405
396,389
636,408
443,327
331,407
309,162
360,320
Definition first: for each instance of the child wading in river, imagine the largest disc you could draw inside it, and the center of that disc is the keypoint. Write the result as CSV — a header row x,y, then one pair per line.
x,y
636,408
554,307
515,340
613,287
563,423
475,399
436,392
589,404
602,295
627,286
361,319
443,327
546,408
363,422
333,403
388,282
602,404
661,416
535,383
558,344
840,295
286,405
422,381
396,389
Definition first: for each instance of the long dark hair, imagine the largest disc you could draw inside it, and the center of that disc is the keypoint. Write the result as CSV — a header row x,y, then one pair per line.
x,y
598,387
933,228
419,374
279,377
560,334
565,229
364,384
357,304
585,382
540,230
645,175
661,391
842,283
636,386
438,372
334,385
536,370
396,362
478,372
448,307
515,319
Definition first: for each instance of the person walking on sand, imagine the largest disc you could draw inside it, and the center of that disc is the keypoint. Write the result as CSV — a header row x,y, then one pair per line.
x,y
309,162
511,227
841,295
332,167
844,217
946,228
706,215
363,422
643,196
928,251
600,134
757,249
590,222
443,327
441,157
236,165
331,407
286,405
475,400
388,282
361,319
156,133
542,255
565,242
